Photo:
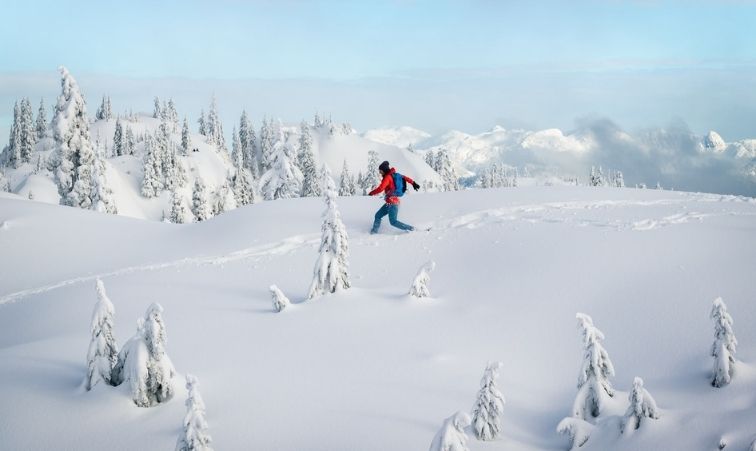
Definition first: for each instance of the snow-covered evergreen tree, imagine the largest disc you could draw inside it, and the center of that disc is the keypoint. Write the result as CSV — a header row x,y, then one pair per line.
x,y
579,431
283,180
347,186
597,177
419,287
103,350
214,128
331,271
280,301
179,212
186,139
724,346
372,176
102,195
225,199
266,146
202,130
128,142
243,185
105,111
445,169
596,369
171,115
12,152
144,364
200,205
27,132
642,405
619,179
451,436
488,408
118,138
311,178
157,112
152,182
41,124
74,155
194,436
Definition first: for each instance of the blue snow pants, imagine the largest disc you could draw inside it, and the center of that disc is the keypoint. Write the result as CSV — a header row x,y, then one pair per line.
x,y
392,211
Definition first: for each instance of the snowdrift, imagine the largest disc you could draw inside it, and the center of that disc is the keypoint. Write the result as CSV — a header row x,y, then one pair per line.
x,y
372,368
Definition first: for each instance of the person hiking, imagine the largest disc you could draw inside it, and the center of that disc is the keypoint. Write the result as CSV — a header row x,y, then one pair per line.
x,y
391,208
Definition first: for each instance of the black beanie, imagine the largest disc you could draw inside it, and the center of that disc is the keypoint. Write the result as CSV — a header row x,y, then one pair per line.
x,y
384,166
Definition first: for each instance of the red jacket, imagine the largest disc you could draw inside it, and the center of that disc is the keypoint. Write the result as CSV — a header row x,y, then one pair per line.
x,y
387,184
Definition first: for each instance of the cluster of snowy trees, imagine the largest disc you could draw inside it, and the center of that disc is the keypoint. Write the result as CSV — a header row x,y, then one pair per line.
x,y
614,179
25,132
442,164
144,365
484,422
499,176
595,388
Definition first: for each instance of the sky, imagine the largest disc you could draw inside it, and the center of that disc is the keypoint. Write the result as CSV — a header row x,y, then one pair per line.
x,y
436,65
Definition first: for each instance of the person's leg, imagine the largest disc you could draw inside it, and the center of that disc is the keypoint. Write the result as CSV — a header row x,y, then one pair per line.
x,y
383,211
393,212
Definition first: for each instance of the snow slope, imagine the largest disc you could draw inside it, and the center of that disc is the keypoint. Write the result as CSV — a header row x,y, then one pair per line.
x,y
125,173
371,368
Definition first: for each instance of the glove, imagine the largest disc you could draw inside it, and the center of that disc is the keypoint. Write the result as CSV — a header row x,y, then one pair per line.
x,y
416,186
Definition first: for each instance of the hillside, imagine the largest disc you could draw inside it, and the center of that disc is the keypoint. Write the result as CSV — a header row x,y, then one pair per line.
x,y
125,173
371,368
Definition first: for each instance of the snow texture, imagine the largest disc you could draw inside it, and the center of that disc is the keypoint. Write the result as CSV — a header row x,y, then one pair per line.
x,y
451,436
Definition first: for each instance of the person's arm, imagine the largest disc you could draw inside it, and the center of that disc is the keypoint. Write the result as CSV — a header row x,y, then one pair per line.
x,y
381,187
411,182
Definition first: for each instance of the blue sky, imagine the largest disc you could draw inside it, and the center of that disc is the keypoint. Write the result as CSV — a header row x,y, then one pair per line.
x,y
519,63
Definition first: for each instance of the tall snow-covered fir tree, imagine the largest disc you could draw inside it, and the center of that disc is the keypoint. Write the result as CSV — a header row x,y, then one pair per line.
x,y
186,139
331,271
214,128
266,146
171,116
144,364
372,176
12,153
280,301
724,346
283,180
128,142
179,212
74,156
101,194
311,178
118,138
200,204
194,435
152,181
248,143
202,126
419,287
347,186
28,135
489,406
642,405
451,436
243,184
595,371
103,350
445,169
41,124
157,112
105,111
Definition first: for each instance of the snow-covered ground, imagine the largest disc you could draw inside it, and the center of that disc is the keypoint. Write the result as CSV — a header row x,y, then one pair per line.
x,y
371,368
